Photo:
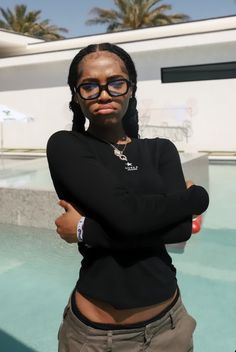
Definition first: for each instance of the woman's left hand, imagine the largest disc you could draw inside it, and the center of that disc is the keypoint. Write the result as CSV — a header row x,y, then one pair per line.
x,y
67,222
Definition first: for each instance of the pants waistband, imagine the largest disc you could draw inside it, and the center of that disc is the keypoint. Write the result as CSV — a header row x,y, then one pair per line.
x,y
86,329
104,326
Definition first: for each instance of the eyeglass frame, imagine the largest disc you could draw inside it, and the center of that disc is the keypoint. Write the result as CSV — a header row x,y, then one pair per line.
x,y
105,87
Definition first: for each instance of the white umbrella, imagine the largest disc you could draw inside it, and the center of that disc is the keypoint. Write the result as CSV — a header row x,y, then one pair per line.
x,y
9,114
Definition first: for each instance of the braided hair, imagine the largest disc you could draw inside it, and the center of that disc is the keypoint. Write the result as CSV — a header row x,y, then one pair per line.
x,y
130,119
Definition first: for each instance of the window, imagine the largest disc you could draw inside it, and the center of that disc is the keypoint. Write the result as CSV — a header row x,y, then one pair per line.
x,y
198,72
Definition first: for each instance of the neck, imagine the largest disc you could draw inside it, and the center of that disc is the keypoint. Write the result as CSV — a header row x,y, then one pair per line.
x,y
114,134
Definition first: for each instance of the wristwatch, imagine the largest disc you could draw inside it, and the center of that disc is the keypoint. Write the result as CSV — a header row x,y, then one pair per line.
x,y
80,227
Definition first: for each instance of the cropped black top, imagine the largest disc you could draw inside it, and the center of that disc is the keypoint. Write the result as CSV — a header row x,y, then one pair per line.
x,y
132,210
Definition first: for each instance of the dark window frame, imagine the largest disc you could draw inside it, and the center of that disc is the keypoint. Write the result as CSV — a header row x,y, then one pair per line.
x,y
192,73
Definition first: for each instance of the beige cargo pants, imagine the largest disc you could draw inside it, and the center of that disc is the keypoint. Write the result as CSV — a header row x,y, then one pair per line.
x,y
172,333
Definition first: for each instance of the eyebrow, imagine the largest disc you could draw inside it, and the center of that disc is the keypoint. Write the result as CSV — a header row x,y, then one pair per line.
x,y
91,79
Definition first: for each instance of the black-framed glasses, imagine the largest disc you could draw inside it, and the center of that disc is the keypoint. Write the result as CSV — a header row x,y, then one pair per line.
x,y
92,90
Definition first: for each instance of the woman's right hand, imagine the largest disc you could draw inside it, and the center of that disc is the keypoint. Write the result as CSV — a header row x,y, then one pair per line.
x,y
67,222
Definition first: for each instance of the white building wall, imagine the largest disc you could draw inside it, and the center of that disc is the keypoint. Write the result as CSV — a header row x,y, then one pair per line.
x,y
47,106
205,109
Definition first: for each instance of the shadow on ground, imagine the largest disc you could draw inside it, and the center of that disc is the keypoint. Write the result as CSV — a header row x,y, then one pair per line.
x,y
10,344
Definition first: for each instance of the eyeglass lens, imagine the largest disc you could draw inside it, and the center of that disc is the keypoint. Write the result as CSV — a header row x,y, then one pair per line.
x,y
92,90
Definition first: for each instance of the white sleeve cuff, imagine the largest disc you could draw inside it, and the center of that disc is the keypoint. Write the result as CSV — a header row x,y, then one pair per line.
x,y
80,226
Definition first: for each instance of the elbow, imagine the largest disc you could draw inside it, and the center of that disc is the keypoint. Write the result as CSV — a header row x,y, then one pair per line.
x,y
186,230
181,233
200,199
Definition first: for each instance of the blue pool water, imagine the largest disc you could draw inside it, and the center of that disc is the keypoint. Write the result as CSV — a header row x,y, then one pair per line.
x,y
38,271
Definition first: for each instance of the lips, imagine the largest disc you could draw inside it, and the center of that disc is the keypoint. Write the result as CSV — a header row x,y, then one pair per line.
x,y
105,109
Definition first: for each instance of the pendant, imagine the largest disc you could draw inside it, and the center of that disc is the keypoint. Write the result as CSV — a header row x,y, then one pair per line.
x,y
123,157
117,152
120,155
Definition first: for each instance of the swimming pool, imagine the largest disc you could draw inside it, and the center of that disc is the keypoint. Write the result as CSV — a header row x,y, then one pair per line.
x,y
24,173
38,271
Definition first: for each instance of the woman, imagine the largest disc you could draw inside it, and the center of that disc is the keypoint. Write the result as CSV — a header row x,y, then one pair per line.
x,y
133,198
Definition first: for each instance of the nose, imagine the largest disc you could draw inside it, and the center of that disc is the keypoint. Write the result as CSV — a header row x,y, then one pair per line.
x,y
104,95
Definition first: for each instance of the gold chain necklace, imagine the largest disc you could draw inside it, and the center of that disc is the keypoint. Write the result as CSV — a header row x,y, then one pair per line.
x,y
118,153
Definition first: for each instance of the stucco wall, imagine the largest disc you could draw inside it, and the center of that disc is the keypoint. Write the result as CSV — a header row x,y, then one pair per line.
x,y
195,115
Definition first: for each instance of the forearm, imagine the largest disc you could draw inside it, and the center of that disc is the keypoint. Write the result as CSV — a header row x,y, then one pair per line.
x,y
96,236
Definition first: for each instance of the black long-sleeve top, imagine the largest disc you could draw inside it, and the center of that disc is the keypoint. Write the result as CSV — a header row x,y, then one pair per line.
x,y
131,211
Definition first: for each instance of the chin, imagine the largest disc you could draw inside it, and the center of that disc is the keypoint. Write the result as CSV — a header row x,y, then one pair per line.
x,y
108,120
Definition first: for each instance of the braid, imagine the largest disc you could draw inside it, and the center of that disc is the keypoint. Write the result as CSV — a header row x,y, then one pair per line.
x,y
78,117
130,120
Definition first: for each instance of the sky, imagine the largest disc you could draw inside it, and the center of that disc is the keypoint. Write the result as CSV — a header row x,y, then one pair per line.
x,y
72,14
